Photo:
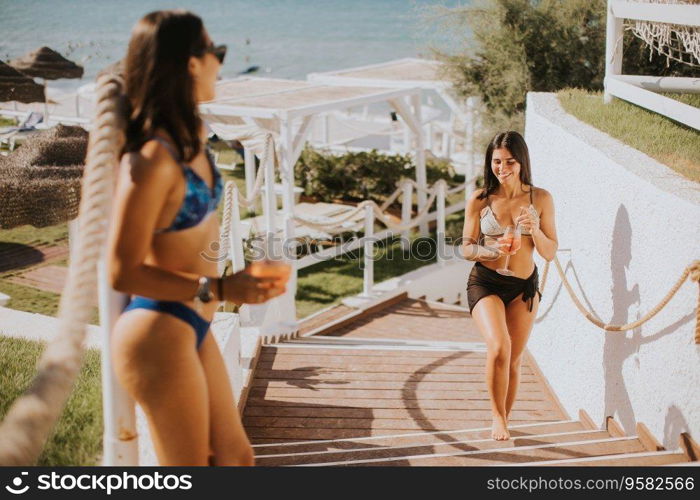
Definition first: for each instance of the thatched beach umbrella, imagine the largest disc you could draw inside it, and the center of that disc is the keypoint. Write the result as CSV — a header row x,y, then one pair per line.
x,y
16,86
48,64
40,182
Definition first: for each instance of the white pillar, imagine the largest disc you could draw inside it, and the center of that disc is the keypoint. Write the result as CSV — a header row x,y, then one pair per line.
x,y
235,240
270,209
120,438
429,136
441,187
287,166
73,231
406,205
249,162
613,48
421,176
368,275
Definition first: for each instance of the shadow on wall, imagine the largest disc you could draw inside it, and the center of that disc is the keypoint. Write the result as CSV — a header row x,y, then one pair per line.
x,y
619,346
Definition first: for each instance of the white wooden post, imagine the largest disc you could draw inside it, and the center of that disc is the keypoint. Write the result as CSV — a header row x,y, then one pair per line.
x,y
249,162
445,144
421,176
406,138
368,275
235,240
287,165
613,48
73,231
441,187
270,209
120,438
406,206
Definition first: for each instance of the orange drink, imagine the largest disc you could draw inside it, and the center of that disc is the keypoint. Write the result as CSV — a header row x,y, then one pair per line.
x,y
270,269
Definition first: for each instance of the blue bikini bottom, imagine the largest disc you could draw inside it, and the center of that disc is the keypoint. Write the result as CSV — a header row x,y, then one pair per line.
x,y
177,309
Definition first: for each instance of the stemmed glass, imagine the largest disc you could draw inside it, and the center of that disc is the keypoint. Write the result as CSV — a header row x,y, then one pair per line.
x,y
511,237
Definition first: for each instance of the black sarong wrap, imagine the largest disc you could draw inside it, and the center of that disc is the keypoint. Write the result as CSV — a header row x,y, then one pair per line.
x,y
484,281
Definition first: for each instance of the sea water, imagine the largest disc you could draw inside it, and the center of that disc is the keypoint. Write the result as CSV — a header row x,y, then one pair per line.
x,y
283,38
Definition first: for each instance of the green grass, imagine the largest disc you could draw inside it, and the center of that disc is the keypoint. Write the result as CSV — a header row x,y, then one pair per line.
x,y
29,235
77,437
326,283
7,122
24,298
669,142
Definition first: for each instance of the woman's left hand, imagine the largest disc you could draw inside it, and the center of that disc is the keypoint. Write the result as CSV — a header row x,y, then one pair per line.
x,y
528,219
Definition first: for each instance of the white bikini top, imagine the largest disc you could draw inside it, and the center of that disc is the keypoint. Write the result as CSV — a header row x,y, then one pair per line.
x,y
490,225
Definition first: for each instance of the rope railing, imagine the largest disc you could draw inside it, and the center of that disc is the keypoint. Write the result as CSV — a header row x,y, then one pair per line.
x,y
379,211
691,271
32,416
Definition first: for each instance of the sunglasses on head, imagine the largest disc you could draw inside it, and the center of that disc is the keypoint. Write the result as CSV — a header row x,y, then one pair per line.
x,y
219,51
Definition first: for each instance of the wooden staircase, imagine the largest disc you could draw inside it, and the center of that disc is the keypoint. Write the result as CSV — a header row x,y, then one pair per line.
x,y
403,385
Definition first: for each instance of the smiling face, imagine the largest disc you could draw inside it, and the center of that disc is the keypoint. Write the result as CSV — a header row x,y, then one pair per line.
x,y
204,70
504,166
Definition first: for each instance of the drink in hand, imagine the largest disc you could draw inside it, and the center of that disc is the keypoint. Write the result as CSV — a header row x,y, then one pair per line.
x,y
511,237
270,269
515,243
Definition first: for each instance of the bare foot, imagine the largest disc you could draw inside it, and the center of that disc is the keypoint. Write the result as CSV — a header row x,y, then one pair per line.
x,y
499,431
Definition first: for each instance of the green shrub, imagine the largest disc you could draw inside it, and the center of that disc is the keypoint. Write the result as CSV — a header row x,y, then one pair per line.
x,y
511,47
359,176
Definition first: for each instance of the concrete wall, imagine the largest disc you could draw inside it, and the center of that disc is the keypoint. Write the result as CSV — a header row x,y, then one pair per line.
x,y
631,225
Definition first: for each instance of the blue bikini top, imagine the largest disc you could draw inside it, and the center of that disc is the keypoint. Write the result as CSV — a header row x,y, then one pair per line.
x,y
490,225
199,199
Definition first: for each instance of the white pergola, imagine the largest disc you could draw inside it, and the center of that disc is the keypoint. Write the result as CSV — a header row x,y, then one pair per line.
x,y
287,108
413,73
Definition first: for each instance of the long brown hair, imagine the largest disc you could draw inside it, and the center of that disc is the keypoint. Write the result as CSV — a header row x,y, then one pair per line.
x,y
515,143
159,87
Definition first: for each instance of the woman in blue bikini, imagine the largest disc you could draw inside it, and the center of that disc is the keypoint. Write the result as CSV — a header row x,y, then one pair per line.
x,y
164,219
504,307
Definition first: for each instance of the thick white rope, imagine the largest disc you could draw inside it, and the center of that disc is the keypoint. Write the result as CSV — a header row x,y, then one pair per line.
x,y
32,416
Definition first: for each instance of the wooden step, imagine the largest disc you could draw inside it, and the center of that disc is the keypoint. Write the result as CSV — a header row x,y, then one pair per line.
x,y
398,424
369,343
294,376
310,457
388,404
379,414
523,454
627,459
413,439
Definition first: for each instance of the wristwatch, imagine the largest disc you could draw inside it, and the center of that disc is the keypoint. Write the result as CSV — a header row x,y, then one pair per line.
x,y
204,293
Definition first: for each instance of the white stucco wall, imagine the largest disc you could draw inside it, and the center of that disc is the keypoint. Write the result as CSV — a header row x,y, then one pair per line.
x,y
632,225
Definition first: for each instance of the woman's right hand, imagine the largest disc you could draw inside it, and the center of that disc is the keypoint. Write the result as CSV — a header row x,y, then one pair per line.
x,y
244,288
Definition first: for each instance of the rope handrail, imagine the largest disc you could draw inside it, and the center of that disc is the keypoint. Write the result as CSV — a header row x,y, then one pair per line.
x,y
379,212
691,271
31,417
